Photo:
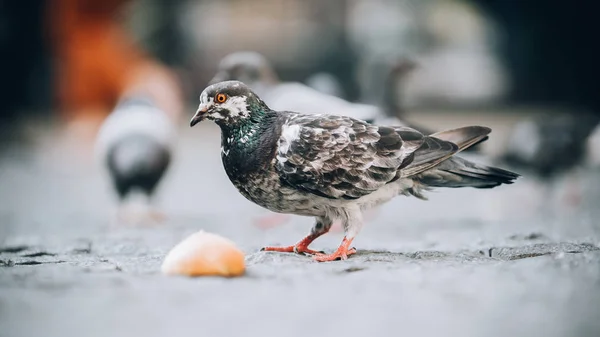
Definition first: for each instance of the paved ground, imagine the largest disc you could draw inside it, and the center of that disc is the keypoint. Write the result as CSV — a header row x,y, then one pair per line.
x,y
520,260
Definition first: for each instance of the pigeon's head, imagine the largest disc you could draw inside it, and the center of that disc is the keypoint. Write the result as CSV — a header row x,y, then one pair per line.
x,y
249,67
227,103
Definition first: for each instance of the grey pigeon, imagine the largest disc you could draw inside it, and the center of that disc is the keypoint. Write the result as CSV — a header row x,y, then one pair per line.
x,y
325,83
255,71
550,145
135,145
332,167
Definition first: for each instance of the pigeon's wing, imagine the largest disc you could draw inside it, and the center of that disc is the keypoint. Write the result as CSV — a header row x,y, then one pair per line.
x,y
343,158
432,152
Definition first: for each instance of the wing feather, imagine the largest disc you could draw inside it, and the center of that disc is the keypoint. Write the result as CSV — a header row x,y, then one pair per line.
x,y
432,152
340,157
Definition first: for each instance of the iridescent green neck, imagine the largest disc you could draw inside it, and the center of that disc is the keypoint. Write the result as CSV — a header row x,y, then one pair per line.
x,y
246,132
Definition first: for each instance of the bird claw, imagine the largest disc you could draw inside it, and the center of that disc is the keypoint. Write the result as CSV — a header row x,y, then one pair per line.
x,y
341,253
299,248
338,255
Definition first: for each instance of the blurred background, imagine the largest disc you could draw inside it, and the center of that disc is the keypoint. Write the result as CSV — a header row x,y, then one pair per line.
x,y
468,52
527,69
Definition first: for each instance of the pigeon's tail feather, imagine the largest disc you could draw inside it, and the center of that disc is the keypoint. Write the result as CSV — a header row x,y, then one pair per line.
x,y
464,137
434,149
458,172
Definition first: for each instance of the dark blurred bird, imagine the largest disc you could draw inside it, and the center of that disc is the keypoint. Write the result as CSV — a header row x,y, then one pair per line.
x,y
550,145
254,70
384,80
392,77
333,167
135,145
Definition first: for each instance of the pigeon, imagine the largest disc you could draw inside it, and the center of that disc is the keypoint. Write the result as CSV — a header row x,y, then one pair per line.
x,y
394,74
332,167
551,145
382,81
135,145
326,83
557,150
254,70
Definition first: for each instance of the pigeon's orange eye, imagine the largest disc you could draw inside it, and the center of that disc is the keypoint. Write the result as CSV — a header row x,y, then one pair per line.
x,y
220,98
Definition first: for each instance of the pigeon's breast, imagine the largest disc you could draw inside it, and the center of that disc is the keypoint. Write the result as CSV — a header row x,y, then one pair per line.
x,y
264,188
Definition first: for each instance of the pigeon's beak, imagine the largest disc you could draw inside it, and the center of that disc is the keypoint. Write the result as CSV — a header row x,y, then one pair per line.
x,y
200,115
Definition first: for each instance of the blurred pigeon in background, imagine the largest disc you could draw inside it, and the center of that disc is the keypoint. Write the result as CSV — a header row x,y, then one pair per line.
x,y
397,73
550,145
386,79
333,167
554,149
326,83
254,70
135,146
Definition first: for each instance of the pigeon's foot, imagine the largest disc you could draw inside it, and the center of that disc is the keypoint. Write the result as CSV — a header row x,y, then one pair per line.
x,y
291,249
336,256
299,248
341,253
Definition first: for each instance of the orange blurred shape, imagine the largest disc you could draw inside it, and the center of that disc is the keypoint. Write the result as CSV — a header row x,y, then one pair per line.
x,y
97,62
92,53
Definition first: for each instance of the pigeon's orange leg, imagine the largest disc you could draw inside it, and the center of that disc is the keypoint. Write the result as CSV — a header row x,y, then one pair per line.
x,y
352,225
299,248
341,253
321,227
